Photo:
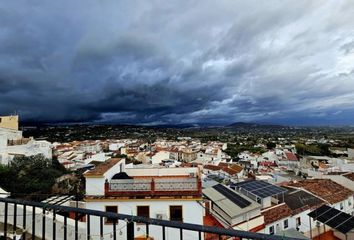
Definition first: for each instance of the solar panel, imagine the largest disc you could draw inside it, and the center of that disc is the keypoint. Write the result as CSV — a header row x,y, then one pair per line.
x,y
341,221
319,211
346,226
337,220
261,189
328,216
234,197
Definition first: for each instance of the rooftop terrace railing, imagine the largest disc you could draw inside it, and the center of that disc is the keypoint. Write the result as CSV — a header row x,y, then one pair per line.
x,y
154,187
35,220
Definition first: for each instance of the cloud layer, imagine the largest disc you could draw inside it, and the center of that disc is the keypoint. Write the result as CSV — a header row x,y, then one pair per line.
x,y
183,62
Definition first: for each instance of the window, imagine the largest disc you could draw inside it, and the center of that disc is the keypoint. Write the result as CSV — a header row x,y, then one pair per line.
x,y
286,223
113,209
271,230
349,203
298,221
341,206
143,211
176,213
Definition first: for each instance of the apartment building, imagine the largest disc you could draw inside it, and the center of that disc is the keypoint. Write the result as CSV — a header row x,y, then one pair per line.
x,y
153,192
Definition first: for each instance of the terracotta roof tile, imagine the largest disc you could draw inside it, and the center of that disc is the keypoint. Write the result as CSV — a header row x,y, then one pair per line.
x,y
223,164
212,167
276,213
326,189
236,167
350,176
291,156
103,167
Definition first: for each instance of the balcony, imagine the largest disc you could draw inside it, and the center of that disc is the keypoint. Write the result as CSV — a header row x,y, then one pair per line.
x,y
154,187
33,220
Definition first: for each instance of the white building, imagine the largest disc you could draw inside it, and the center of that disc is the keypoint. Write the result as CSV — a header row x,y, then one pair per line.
x,y
158,157
276,219
12,142
330,192
163,193
301,203
233,210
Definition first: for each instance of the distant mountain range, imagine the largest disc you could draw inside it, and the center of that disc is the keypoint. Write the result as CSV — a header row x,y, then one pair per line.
x,y
236,125
254,125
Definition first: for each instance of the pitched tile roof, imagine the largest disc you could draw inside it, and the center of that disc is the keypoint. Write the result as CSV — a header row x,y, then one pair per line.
x,y
212,167
276,213
349,175
291,156
299,200
103,167
230,171
230,168
326,189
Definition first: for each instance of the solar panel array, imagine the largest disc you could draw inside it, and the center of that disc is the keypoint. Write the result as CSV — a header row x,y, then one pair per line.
x,y
260,189
232,196
341,221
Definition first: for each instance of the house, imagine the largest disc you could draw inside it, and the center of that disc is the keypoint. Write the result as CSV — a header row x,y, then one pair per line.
x,y
289,161
263,192
301,203
154,192
231,170
158,157
276,218
188,155
209,154
12,143
332,193
232,209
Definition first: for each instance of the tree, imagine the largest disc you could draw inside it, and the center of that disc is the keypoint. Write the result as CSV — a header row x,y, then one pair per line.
x,y
26,176
271,145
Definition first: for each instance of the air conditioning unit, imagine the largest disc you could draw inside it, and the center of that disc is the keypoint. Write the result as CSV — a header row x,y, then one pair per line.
x,y
160,216
318,224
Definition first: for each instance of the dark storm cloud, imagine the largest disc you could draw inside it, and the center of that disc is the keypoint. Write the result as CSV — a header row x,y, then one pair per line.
x,y
182,62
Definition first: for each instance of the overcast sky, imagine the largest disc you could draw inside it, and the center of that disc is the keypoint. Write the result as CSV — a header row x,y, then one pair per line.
x,y
155,62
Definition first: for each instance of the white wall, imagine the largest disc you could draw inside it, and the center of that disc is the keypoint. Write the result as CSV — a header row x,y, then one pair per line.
x,y
160,171
95,186
278,226
100,157
351,152
159,156
192,213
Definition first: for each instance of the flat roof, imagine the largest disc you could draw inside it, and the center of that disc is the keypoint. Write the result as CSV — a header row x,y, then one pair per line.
x,y
260,188
227,205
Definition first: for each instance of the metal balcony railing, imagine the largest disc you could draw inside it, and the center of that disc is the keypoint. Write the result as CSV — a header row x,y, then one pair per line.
x,y
35,220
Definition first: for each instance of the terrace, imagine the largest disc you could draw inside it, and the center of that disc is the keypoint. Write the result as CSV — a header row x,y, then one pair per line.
x,y
154,186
